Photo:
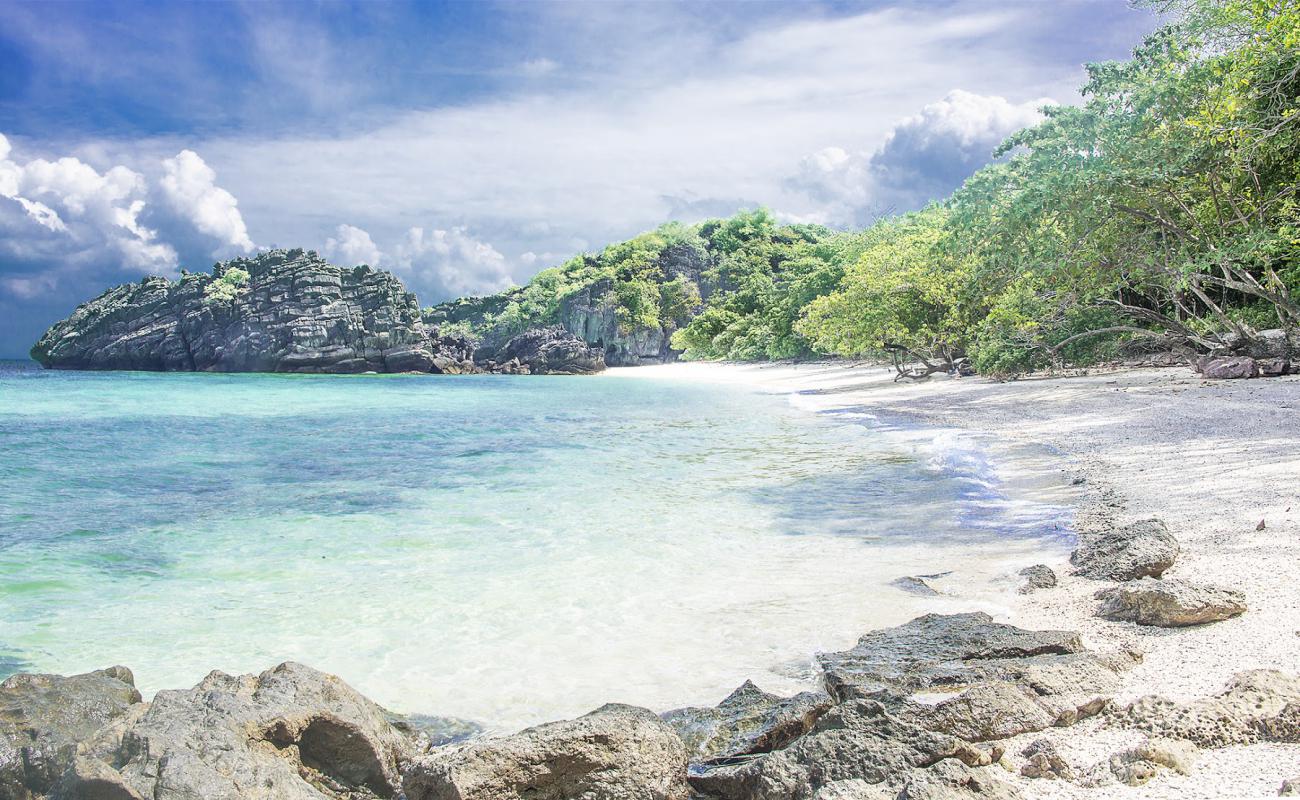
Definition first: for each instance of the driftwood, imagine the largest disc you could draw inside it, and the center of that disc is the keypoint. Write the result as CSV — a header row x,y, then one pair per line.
x,y
915,366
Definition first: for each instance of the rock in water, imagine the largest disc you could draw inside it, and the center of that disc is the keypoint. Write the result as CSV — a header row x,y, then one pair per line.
x,y
290,733
550,351
44,717
913,584
1169,603
1124,554
749,721
294,313
616,752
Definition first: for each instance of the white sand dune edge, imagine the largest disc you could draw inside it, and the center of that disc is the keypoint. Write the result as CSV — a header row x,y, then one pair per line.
x,y
1211,458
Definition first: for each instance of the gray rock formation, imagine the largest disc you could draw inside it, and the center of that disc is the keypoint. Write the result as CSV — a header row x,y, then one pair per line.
x,y
1289,788
44,717
1229,368
856,741
591,315
1042,761
616,752
999,680
748,721
1126,553
290,733
296,313
1169,603
1258,706
1039,576
544,351
1138,765
937,651
915,584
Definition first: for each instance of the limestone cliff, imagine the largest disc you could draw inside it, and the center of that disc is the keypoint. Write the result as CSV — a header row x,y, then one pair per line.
x,y
288,311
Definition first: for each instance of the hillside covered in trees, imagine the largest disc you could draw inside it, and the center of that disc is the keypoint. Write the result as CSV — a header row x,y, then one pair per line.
x,y
1162,212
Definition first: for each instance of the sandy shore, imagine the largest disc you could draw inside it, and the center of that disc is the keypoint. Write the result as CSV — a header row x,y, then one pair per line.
x,y
1212,459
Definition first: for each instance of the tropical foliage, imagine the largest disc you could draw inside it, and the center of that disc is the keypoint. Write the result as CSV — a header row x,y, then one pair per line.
x,y
1161,210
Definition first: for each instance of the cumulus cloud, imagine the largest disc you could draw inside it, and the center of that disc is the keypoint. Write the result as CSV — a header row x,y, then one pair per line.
x,y
924,157
70,227
351,246
449,263
189,188
93,214
435,263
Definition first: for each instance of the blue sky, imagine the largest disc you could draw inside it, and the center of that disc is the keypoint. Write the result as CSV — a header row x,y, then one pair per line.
x,y
467,145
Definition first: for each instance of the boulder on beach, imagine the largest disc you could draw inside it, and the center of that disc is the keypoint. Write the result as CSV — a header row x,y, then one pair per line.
x,y
748,721
1043,761
1144,548
1229,368
1169,603
1257,706
993,680
855,741
44,717
1138,765
290,733
1039,576
616,752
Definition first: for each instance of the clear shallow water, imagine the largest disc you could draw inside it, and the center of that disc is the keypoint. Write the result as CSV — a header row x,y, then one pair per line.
x,y
500,548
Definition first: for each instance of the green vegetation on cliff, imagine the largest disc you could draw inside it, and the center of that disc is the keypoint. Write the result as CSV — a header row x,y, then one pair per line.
x,y
1163,208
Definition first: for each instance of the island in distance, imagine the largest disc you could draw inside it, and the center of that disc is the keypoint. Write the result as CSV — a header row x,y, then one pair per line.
x,y
292,311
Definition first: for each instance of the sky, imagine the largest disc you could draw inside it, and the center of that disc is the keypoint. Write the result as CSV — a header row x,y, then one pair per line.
x,y
465,146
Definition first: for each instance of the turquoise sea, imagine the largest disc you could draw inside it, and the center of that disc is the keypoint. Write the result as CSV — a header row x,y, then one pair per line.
x,y
508,549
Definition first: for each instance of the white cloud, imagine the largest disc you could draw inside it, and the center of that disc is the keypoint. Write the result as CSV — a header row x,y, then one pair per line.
x,y
94,213
351,246
924,157
189,187
441,263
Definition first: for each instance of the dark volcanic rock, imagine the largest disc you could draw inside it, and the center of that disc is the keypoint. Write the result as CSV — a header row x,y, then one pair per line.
x,y
43,717
549,351
914,584
1145,548
748,721
999,680
297,313
1169,603
616,752
1039,576
291,733
856,741
935,651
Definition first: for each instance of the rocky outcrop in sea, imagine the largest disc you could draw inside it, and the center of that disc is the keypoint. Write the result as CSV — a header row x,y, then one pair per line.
x,y
280,311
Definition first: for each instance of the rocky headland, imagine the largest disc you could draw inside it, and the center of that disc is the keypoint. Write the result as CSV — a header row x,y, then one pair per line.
x,y
288,311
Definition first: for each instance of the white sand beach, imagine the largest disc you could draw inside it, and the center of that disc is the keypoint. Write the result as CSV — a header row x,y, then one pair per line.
x,y
1211,458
